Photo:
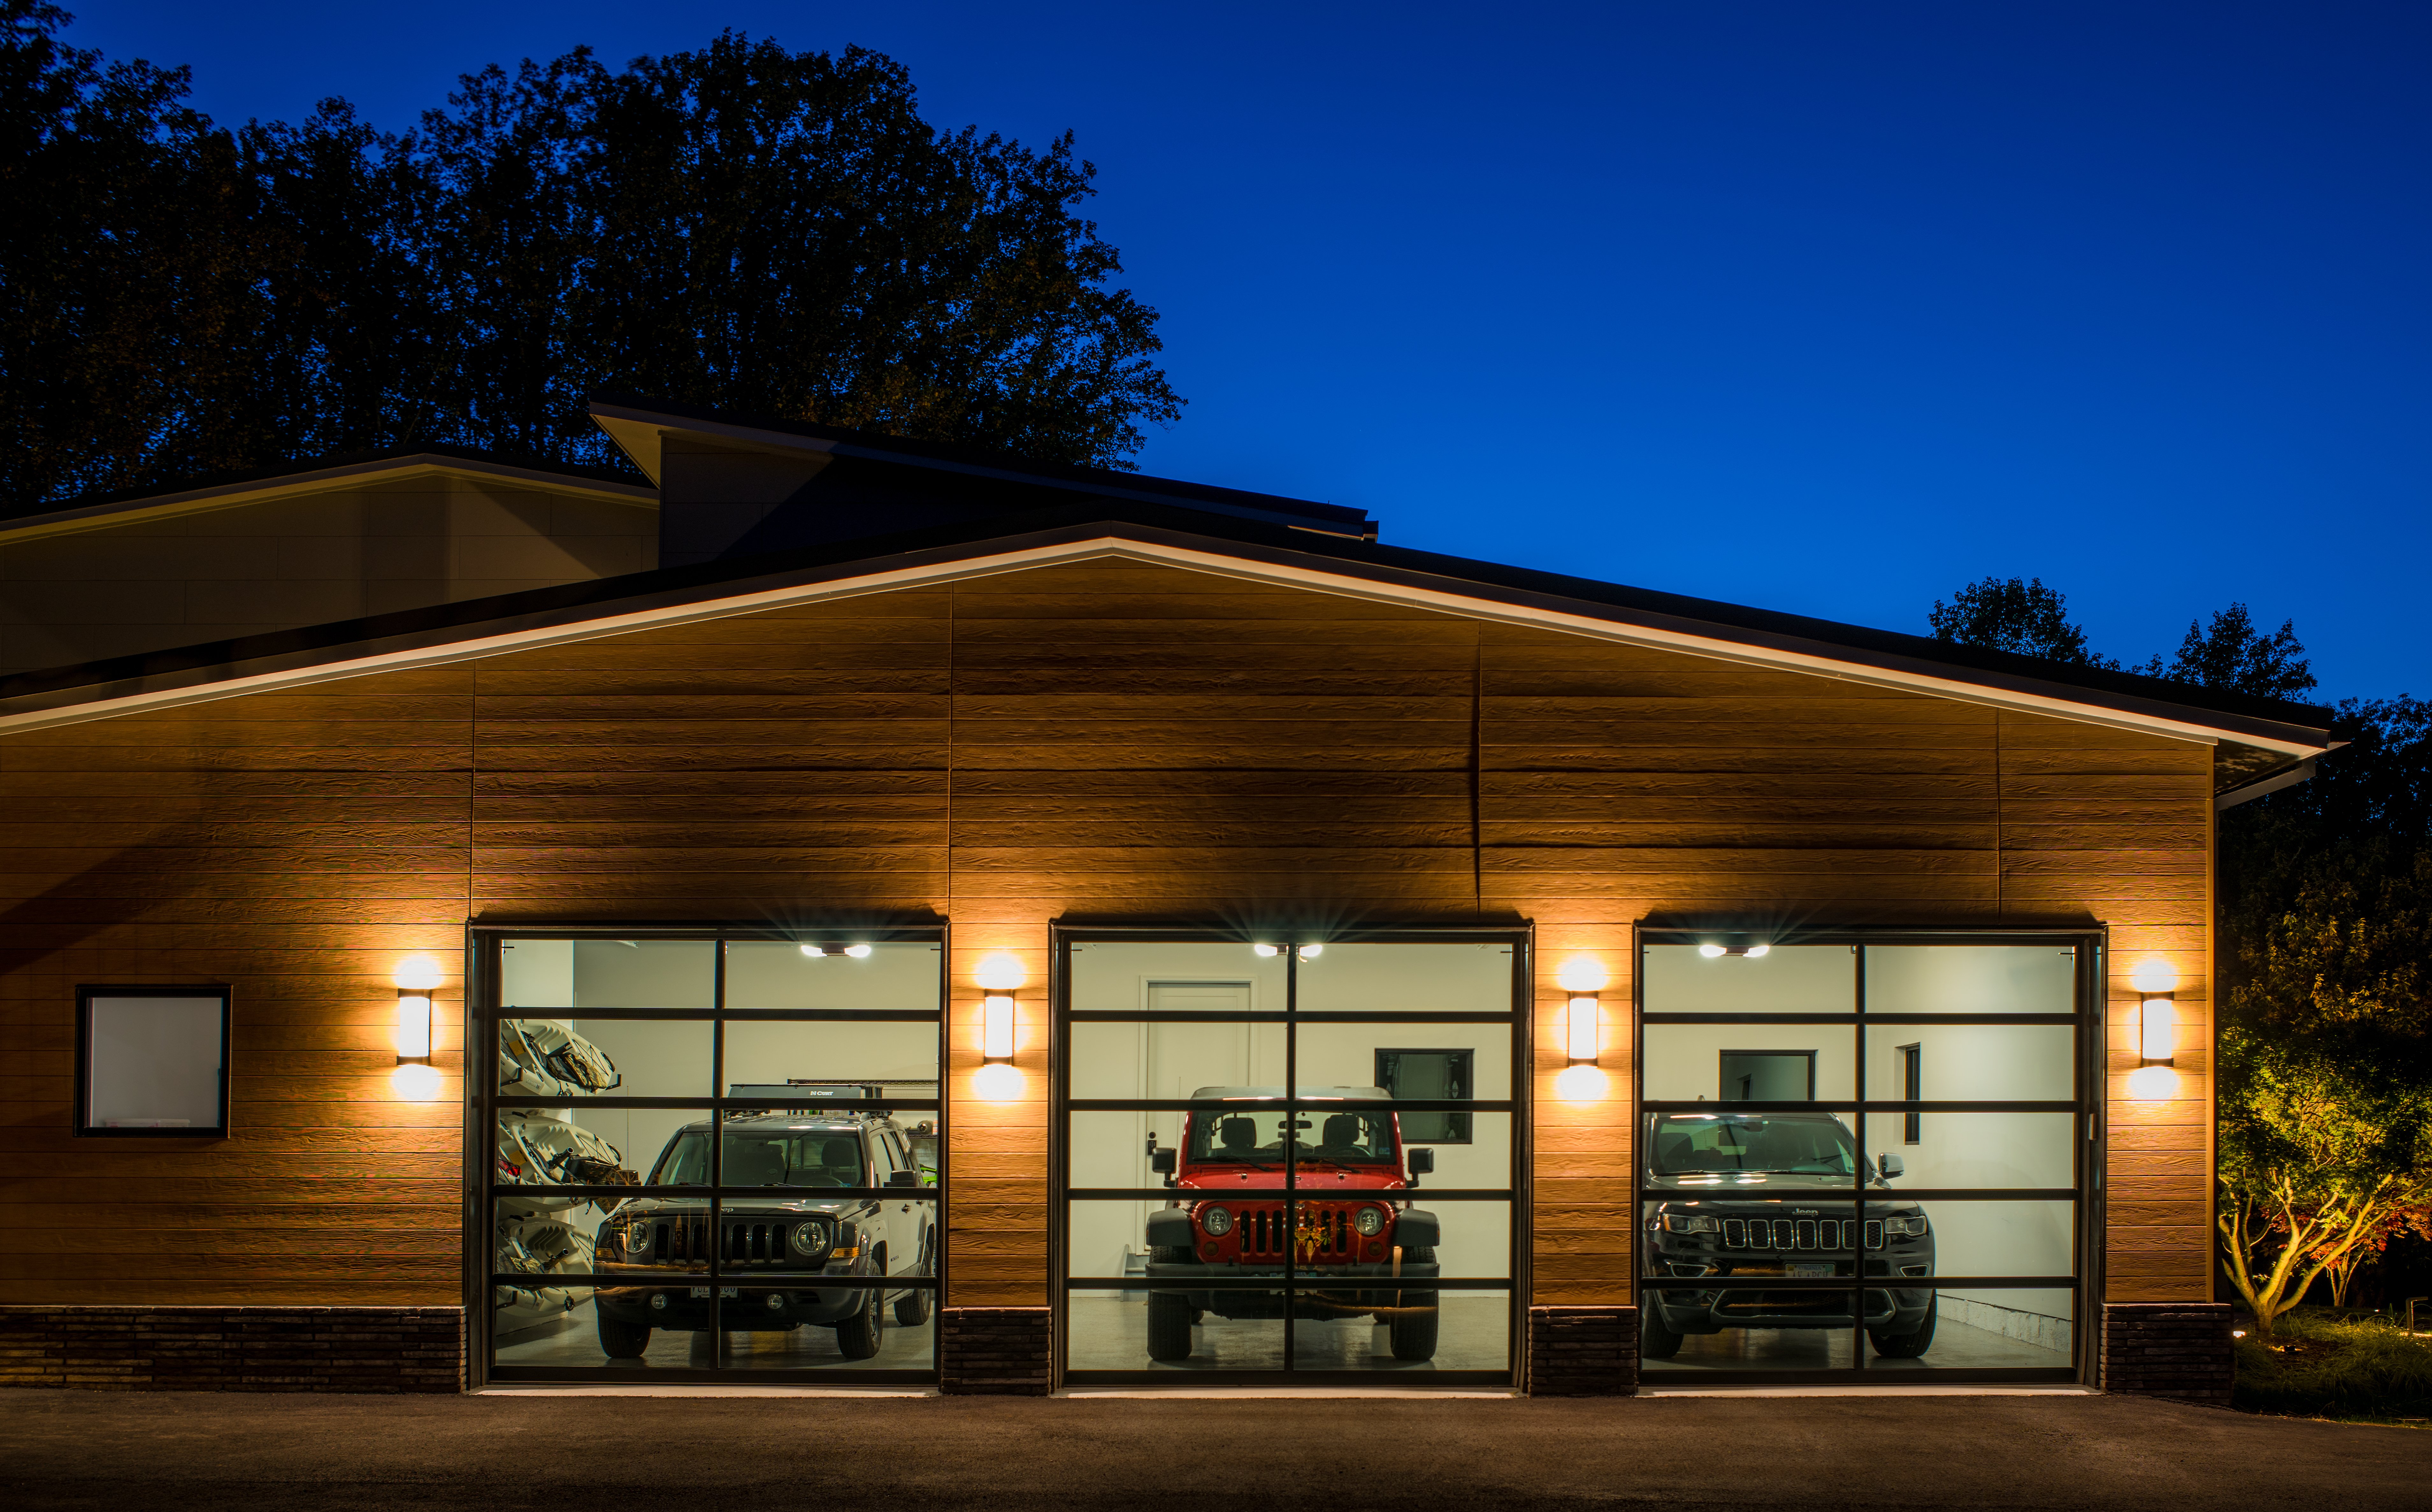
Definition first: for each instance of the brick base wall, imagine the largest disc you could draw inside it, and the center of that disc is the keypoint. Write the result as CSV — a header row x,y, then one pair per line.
x,y
1582,1352
2175,1350
1004,1351
234,1349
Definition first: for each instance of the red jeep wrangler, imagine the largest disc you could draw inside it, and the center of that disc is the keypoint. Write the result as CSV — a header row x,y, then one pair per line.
x,y
1352,1222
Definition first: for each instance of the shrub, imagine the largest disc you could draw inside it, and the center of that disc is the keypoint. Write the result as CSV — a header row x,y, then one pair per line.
x,y
2320,1366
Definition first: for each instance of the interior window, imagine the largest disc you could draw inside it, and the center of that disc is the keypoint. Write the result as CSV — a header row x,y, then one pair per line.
x,y
1430,1075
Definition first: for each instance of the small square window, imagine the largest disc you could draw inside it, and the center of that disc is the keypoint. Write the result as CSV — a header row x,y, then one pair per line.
x,y
1430,1076
152,1061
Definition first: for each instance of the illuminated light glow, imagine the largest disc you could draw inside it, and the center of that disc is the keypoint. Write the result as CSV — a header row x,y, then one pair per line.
x,y
2157,1031
1754,951
996,1029
1710,952
815,952
1582,974
412,1027
2152,1083
2154,979
414,1082
420,973
998,1083
857,952
1581,1083
1583,1034
1002,972
1311,952
1263,952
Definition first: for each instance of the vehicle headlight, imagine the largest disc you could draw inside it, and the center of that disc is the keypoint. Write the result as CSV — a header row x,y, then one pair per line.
x,y
1692,1223
1217,1221
808,1238
1369,1221
637,1240
1908,1223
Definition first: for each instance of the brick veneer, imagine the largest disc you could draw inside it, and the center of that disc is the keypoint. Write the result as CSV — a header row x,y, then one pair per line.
x,y
995,1351
234,1349
1582,1352
2176,1350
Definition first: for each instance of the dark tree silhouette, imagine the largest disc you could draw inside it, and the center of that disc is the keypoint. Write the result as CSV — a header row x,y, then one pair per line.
x,y
2013,614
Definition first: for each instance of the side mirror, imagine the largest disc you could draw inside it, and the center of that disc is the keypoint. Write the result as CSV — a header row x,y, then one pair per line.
x,y
1162,1161
1890,1165
1423,1162
903,1178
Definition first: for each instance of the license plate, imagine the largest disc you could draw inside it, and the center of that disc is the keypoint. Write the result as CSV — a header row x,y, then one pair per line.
x,y
1823,1269
703,1292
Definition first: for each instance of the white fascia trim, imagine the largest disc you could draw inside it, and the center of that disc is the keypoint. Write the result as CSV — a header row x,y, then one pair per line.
x,y
321,480
1159,554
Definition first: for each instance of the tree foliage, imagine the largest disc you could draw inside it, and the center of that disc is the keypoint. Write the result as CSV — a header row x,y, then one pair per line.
x,y
740,226
2017,615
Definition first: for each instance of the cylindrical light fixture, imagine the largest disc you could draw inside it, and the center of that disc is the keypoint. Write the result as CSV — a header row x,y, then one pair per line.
x,y
1583,1034
996,1029
415,976
2157,1017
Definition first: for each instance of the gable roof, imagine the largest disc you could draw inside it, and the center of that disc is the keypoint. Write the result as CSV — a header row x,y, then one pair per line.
x,y
1091,516
345,469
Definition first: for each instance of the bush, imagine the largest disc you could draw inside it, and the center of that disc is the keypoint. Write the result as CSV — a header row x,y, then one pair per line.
x,y
2318,1364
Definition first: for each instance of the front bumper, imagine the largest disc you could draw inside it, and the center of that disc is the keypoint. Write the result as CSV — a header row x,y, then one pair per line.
x,y
748,1308
1320,1292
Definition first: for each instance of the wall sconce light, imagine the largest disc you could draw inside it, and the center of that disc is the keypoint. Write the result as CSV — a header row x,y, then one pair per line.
x,y
415,1079
996,1029
1583,1080
2157,1031
999,1078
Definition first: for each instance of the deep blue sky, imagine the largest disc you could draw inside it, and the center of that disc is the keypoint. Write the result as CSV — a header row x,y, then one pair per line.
x,y
1827,308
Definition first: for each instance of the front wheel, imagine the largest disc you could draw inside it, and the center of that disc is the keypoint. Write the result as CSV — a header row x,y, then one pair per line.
x,y
623,1341
1169,1326
1907,1346
1655,1340
860,1336
912,1309
1412,1329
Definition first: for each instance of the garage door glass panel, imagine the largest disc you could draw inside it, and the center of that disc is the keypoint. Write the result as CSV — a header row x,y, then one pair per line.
x,y
1993,1328
1745,1062
1153,1060
569,1058
1403,1332
1685,978
1972,1063
1972,979
607,973
1979,1149
789,1229
841,973
1132,1330
1181,977
1388,978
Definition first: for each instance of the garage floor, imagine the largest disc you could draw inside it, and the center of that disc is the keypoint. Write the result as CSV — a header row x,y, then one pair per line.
x,y
574,1343
1110,1333
1956,1345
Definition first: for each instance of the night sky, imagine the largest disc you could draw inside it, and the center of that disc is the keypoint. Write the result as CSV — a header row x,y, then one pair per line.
x,y
1829,307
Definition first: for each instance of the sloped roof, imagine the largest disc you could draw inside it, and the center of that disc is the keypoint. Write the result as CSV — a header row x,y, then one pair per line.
x,y
1092,515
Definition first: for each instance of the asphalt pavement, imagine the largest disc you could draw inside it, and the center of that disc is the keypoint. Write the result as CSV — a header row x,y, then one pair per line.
x,y
593,1453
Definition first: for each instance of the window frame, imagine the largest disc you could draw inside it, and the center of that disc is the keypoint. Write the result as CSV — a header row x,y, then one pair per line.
x,y
81,1126
1468,1058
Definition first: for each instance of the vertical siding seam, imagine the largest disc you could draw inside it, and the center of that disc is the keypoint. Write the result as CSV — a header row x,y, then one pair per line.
x,y
1477,778
2000,839
954,697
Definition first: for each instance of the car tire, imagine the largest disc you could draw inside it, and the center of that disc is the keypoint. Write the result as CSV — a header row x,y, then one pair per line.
x,y
623,1341
1655,1340
1416,1319
860,1336
912,1309
1169,1326
1907,1346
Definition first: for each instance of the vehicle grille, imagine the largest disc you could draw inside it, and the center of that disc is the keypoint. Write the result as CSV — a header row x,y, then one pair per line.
x,y
684,1239
1797,1233
1266,1233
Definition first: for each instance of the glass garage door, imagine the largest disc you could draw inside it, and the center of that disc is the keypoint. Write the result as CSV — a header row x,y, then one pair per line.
x,y
708,1157
1289,1159
1863,1158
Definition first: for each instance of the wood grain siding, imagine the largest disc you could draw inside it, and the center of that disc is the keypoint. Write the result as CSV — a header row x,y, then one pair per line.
x,y
293,845
1088,743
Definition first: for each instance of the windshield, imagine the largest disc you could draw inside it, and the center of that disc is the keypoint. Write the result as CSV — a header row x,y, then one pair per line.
x,y
1255,1137
777,1157
1796,1145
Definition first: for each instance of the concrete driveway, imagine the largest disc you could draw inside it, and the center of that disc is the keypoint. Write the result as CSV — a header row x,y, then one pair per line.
x,y
547,1453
